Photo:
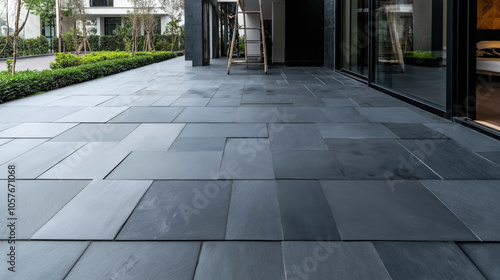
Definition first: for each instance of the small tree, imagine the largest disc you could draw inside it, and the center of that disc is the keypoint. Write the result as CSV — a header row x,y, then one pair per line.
x,y
4,13
72,11
82,15
46,9
134,18
148,14
174,30
18,27
124,31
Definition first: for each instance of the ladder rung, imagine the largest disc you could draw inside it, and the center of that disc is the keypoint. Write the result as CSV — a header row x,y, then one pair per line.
x,y
250,28
248,63
251,12
253,41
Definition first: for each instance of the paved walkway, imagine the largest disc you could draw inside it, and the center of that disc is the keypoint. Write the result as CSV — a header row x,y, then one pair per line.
x,y
31,63
299,174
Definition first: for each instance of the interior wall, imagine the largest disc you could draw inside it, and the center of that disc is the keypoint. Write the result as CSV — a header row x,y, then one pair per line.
x,y
305,27
278,12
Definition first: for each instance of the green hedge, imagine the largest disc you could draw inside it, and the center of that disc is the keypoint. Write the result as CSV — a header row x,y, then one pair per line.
x,y
64,60
25,47
26,83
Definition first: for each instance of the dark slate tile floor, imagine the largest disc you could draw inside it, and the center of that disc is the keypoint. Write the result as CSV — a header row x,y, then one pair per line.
x,y
174,172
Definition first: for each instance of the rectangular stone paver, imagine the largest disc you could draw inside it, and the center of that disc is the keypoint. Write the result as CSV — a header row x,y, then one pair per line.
x,y
97,212
180,210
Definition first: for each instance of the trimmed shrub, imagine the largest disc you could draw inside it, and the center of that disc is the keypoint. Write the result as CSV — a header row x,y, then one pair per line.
x,y
64,60
26,83
94,42
37,46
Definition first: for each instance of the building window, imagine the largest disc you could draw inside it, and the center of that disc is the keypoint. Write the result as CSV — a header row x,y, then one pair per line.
x,y
49,31
157,29
110,24
101,3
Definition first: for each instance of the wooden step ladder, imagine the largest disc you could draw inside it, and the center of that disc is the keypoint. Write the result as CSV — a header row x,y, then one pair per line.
x,y
261,42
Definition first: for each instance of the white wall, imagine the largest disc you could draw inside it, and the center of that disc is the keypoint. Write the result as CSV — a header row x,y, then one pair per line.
x,y
278,32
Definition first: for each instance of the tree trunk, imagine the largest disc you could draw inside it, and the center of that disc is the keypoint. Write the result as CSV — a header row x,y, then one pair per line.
x,y
14,54
75,39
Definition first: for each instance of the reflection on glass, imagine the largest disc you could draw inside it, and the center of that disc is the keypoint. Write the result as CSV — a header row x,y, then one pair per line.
x,y
488,65
411,48
355,36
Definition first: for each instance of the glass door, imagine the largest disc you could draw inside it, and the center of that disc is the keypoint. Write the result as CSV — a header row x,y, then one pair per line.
x,y
355,39
488,64
410,49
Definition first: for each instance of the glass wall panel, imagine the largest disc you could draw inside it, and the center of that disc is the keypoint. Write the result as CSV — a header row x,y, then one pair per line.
x,y
355,36
410,48
488,64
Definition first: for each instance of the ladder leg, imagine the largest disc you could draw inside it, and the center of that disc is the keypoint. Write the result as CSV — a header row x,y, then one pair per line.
x,y
263,37
243,8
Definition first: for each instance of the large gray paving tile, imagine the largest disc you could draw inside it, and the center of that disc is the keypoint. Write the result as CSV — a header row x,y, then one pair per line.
x,y
426,260
168,165
165,101
38,201
120,101
137,260
343,115
306,165
257,114
92,161
295,137
207,114
383,159
191,102
104,132
151,137
305,214
392,115
333,260
355,130
180,210
37,160
266,99
301,114
148,114
485,256
451,161
338,102
225,130
240,260
36,130
468,138
248,158
376,210
97,212
80,101
377,101
93,114
14,148
474,202
42,260
492,156
224,102
34,100
254,213
4,126
191,144
47,114
414,131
